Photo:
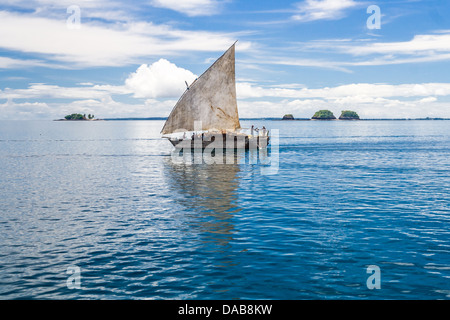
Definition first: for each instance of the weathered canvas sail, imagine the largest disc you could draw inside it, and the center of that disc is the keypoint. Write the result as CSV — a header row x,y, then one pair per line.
x,y
211,99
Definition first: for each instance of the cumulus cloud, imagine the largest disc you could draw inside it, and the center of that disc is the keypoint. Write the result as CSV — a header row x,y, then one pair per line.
x,y
162,79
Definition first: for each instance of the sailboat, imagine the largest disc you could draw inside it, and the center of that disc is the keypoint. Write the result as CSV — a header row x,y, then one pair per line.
x,y
207,112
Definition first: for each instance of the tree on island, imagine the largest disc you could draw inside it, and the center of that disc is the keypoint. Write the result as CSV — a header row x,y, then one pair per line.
x,y
288,117
79,116
324,115
349,115
75,116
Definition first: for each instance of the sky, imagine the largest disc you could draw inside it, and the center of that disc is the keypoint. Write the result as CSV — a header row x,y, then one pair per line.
x,y
115,59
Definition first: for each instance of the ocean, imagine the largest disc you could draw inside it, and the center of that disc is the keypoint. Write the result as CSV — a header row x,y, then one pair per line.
x,y
349,210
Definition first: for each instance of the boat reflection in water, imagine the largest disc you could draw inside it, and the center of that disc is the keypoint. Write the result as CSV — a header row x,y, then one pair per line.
x,y
266,159
208,195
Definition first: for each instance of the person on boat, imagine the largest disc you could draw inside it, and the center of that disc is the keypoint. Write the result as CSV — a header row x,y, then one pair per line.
x,y
264,131
251,132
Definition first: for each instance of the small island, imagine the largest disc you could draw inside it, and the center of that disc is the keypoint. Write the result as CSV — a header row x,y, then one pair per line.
x,y
349,115
288,117
324,115
78,117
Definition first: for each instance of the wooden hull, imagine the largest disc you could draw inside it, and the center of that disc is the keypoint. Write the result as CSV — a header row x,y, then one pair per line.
x,y
229,142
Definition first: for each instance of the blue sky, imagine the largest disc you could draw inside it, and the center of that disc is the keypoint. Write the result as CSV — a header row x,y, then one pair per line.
x,y
122,59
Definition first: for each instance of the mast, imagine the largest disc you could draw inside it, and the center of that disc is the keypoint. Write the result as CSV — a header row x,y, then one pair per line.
x,y
211,99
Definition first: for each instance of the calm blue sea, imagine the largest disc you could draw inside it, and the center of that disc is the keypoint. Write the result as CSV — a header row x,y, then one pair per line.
x,y
106,199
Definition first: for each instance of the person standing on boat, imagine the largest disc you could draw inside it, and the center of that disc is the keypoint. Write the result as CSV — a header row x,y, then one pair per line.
x,y
264,131
251,132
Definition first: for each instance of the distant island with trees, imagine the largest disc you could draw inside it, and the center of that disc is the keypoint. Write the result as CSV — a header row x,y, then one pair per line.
x,y
323,115
328,115
349,115
79,117
288,117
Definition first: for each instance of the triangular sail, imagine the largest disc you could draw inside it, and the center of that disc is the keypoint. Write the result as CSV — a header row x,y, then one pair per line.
x,y
211,99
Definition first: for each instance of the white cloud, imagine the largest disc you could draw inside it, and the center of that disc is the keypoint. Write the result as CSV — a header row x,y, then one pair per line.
x,y
9,63
11,110
97,44
369,100
301,108
189,7
165,79
316,63
428,100
105,107
91,45
46,91
421,49
159,108
162,79
112,10
311,10
420,44
367,108
248,90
